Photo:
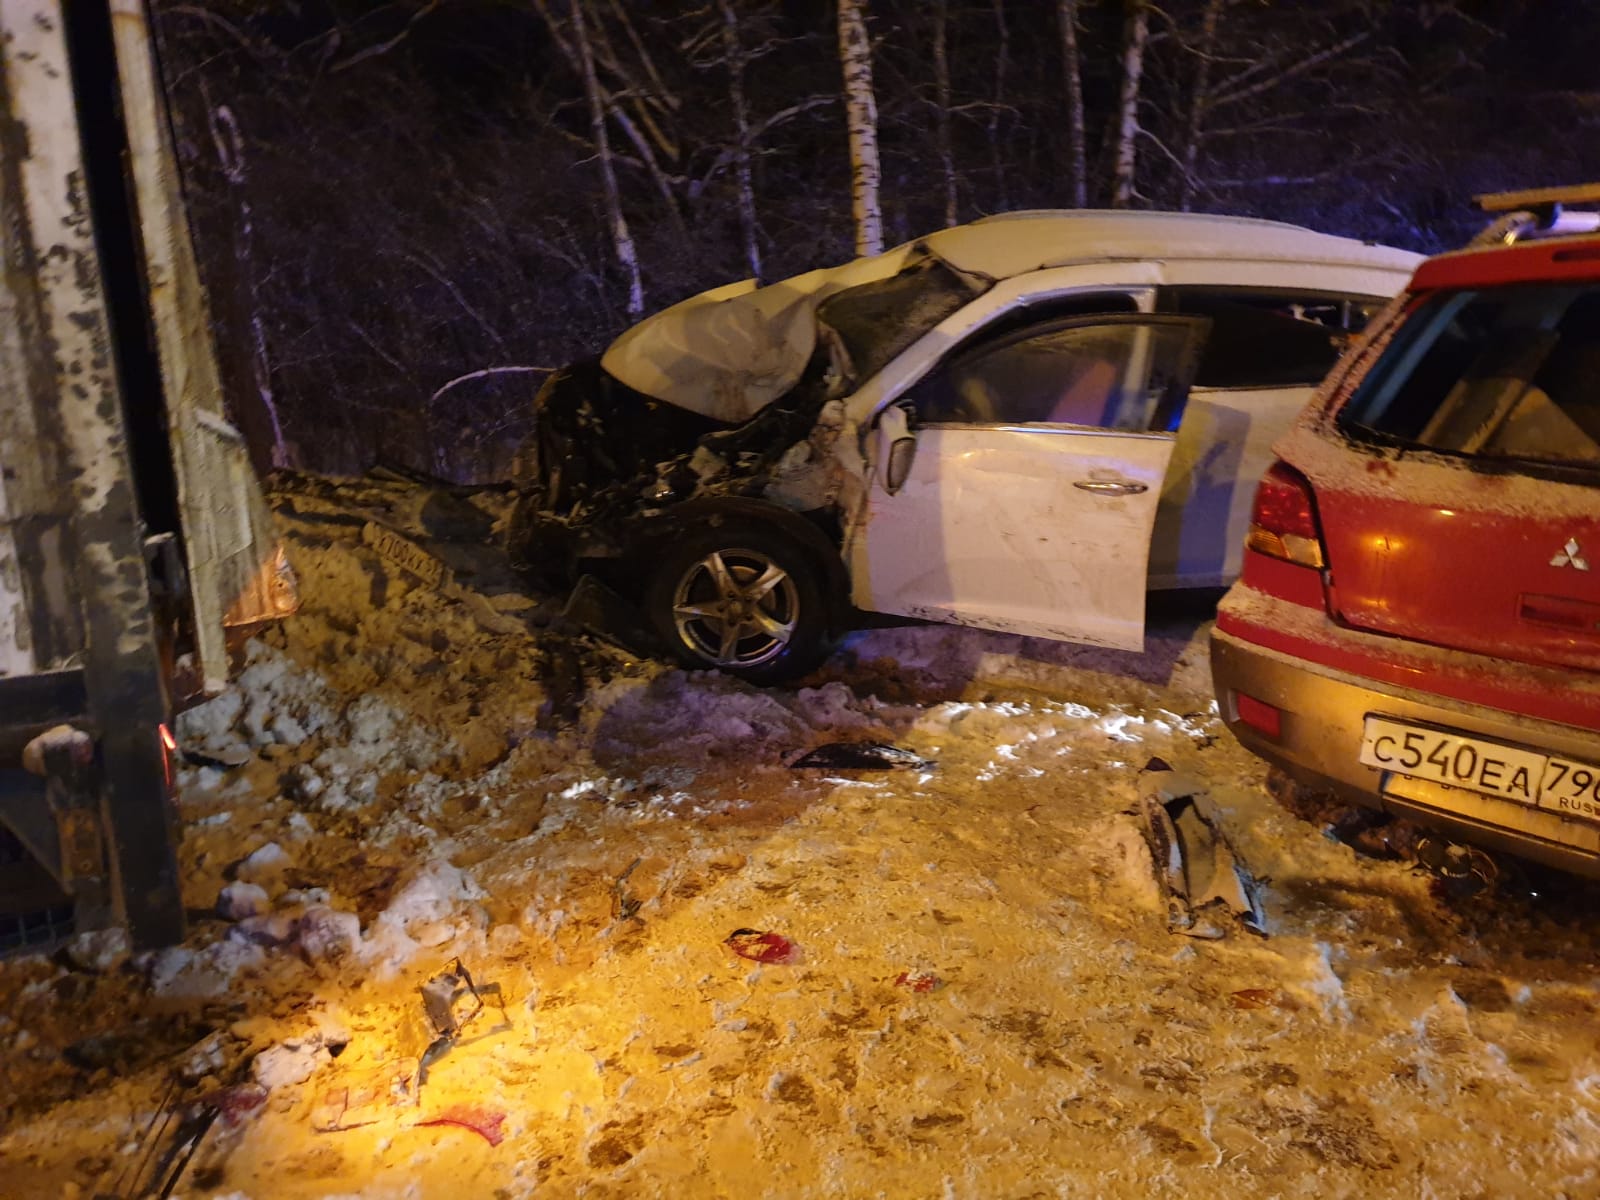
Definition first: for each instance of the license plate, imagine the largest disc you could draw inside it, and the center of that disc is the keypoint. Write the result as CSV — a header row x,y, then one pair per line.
x,y
1455,760
403,554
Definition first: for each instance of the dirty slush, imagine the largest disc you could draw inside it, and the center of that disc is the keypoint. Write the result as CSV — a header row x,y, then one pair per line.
x,y
484,908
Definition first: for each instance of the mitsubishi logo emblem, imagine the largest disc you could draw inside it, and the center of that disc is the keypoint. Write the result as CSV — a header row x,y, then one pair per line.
x,y
1570,555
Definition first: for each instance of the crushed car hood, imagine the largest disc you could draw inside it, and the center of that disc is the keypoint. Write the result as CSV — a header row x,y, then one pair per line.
x,y
728,353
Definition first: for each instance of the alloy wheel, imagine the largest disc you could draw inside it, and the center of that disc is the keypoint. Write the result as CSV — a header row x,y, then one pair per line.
x,y
736,608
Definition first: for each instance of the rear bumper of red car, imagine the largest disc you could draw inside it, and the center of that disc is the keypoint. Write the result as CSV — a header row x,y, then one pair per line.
x,y
1318,713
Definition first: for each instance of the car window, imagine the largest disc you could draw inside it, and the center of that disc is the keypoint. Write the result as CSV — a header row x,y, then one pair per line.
x,y
1271,339
1508,373
1105,374
1052,310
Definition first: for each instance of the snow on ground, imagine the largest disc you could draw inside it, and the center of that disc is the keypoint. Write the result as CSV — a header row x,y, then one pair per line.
x,y
425,781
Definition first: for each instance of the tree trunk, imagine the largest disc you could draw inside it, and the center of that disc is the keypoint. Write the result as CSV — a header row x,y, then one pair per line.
x,y
861,115
733,51
1199,102
1002,56
1072,75
621,238
1136,33
941,81
258,421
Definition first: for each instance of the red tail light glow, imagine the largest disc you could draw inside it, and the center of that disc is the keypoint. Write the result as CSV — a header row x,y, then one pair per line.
x,y
1259,715
1284,521
169,753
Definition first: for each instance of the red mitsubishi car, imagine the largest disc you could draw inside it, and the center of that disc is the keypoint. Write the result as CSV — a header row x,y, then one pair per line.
x,y
1417,624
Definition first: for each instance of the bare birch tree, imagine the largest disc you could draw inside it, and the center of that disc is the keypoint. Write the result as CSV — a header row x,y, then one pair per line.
x,y
1199,102
941,116
733,52
1072,79
262,426
1135,37
621,238
1002,57
861,115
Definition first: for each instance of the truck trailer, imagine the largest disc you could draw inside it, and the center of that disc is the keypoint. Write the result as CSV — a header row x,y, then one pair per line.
x,y
135,542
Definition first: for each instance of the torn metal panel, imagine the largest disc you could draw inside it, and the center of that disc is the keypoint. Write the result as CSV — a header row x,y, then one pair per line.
x,y
236,570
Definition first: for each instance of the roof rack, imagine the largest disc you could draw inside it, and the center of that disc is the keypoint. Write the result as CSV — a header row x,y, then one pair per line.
x,y
1537,213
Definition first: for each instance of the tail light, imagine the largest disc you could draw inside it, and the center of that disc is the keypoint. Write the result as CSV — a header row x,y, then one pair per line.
x,y
1259,715
169,754
1283,523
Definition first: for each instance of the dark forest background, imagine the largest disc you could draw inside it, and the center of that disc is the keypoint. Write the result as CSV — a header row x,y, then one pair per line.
x,y
388,197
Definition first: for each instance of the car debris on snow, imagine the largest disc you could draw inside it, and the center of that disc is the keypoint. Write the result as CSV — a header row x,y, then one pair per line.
x,y
919,981
367,1096
1196,866
172,1138
625,907
862,756
762,946
450,1002
225,758
1461,871
486,1122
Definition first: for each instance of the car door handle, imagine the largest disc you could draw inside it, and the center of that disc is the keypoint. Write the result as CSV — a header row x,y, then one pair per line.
x,y
1112,487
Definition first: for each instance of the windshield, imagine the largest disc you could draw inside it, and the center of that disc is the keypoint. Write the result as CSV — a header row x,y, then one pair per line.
x,y
1508,373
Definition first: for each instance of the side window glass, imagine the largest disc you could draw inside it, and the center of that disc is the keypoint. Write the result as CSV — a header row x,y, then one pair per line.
x,y
1103,376
1264,339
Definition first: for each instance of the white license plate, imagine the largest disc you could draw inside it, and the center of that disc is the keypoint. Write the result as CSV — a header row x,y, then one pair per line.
x,y
1455,760
403,554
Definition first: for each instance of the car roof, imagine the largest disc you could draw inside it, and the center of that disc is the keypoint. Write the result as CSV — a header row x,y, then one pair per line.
x,y
728,352
1016,243
1546,260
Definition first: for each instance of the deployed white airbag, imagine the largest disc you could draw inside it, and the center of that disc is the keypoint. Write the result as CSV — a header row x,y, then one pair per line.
x,y
728,353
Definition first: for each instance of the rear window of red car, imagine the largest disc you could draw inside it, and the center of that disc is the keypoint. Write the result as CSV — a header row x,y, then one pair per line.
x,y
1505,374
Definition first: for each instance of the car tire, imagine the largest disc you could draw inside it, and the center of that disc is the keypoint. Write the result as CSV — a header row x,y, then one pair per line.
x,y
743,600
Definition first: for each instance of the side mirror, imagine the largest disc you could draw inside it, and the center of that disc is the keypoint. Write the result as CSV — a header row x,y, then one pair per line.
x,y
897,446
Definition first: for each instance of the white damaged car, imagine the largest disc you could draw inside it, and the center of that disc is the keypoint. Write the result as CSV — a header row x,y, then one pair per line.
x,y
1022,424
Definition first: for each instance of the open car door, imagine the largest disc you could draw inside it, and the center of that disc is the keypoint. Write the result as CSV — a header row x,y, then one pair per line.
x,y
1021,493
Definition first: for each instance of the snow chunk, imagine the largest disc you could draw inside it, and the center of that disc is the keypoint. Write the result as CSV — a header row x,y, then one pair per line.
x,y
432,894
240,900
99,951
290,1062
264,864
328,935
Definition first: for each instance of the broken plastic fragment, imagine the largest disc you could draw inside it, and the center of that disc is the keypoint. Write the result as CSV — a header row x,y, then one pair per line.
x,y
364,1097
760,946
234,1104
1195,864
919,981
863,756
450,1002
484,1121
224,759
